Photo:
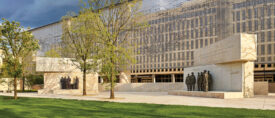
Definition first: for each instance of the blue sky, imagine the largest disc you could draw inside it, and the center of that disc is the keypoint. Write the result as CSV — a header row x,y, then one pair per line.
x,y
35,13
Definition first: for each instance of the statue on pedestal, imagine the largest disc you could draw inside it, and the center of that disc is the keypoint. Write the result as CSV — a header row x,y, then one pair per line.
x,y
193,82
62,82
188,83
210,82
206,83
200,82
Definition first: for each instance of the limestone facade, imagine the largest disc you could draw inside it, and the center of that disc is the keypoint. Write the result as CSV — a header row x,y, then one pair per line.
x,y
261,88
143,87
56,68
230,62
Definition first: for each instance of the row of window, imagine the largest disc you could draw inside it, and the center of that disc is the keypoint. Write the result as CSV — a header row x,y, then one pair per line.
x,y
197,13
160,48
249,3
162,65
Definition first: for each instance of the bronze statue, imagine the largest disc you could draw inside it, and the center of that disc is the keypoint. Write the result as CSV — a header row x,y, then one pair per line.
x,y
199,82
192,82
210,82
206,77
187,82
76,83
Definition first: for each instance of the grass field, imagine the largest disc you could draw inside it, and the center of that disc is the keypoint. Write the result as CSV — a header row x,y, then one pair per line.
x,y
55,108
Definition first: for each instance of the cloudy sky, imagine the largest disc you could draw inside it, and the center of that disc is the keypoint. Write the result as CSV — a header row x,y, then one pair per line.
x,y
35,13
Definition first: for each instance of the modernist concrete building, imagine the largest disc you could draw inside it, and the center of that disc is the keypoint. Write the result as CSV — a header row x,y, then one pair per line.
x,y
167,46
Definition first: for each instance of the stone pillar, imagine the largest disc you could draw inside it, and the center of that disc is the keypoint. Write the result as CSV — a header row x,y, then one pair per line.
x,y
154,78
101,80
248,79
125,77
173,78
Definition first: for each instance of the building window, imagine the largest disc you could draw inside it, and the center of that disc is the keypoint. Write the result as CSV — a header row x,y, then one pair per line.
x,y
269,36
179,78
238,15
269,49
243,15
262,24
256,25
249,14
197,44
269,23
262,36
250,25
238,28
255,12
163,78
262,49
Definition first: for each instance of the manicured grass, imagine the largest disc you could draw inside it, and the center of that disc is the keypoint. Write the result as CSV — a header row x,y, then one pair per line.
x,y
35,107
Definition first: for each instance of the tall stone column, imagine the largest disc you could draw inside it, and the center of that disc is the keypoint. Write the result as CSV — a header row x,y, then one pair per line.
x,y
173,78
101,80
154,78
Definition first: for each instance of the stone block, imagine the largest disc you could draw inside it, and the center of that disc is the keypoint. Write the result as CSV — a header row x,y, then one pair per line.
x,y
261,88
240,47
212,94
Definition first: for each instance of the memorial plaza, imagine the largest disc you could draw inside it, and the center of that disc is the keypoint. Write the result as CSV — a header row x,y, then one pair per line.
x,y
210,53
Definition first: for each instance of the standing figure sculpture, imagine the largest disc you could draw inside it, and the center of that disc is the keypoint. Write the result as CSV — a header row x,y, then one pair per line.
x,y
206,77
192,82
210,82
202,82
199,83
62,83
187,82
76,83
68,82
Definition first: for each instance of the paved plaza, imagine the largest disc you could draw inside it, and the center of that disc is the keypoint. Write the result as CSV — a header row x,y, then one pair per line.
x,y
258,102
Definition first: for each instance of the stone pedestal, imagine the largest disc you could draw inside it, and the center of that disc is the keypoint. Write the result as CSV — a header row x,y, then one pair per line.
x,y
53,69
230,62
210,94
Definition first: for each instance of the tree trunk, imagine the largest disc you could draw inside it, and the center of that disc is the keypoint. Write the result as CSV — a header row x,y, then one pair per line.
x,y
23,89
112,91
84,79
15,88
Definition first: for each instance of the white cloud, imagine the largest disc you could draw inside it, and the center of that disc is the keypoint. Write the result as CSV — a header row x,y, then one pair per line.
x,y
157,5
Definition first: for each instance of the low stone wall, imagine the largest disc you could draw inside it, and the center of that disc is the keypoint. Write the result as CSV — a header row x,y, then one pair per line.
x,y
271,87
143,87
261,88
37,86
210,94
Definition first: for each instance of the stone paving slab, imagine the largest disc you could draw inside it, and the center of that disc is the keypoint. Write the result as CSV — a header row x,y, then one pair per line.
x,y
258,102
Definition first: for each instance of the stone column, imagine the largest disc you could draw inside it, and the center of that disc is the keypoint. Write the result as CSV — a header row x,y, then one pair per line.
x,y
154,78
101,80
173,78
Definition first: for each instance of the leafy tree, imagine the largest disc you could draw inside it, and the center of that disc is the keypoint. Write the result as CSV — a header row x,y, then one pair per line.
x,y
28,67
52,53
16,43
115,21
78,39
34,79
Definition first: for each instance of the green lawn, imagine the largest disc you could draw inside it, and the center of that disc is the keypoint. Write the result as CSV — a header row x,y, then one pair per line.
x,y
34,107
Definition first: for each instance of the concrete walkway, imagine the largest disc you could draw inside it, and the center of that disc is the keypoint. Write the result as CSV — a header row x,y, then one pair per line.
x,y
259,102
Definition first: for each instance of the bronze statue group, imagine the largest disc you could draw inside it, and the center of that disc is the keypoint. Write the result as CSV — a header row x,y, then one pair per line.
x,y
66,83
204,81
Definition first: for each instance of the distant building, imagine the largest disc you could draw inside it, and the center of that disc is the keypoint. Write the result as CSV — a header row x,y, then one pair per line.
x,y
178,28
